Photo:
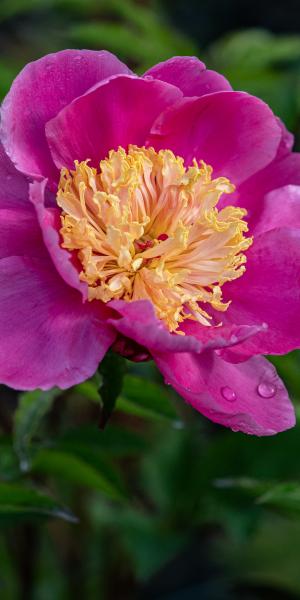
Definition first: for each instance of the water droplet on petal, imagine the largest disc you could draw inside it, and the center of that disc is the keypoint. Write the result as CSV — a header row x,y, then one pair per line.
x,y
266,390
228,394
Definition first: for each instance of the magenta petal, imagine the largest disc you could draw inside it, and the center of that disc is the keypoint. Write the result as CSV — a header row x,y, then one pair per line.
x,y
138,322
221,337
234,132
280,208
284,170
248,397
48,337
49,221
269,291
190,75
116,113
38,93
20,234
287,140
14,192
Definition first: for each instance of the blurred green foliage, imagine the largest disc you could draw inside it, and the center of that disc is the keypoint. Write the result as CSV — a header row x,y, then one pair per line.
x,y
160,503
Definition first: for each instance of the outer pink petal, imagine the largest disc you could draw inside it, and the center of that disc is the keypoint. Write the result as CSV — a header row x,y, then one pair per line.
x,y
116,113
20,234
137,321
268,291
190,75
234,132
287,140
279,208
49,221
47,336
13,186
206,380
39,92
283,170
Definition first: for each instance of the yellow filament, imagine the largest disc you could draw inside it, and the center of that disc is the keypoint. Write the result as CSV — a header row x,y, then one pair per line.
x,y
146,227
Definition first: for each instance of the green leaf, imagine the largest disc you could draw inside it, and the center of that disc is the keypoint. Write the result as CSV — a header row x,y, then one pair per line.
x,y
114,441
145,398
31,409
284,496
112,370
17,501
71,468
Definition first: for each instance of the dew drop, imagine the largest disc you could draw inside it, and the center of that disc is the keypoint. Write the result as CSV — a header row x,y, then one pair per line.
x,y
228,394
266,390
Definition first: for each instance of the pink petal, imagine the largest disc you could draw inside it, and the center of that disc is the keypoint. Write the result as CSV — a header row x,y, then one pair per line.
x,y
282,171
14,186
248,397
224,336
49,221
279,208
20,234
269,291
115,113
38,93
234,132
138,322
48,337
190,75
287,140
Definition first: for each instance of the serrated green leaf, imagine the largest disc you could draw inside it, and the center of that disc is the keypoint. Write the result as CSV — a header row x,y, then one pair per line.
x,y
31,409
75,470
23,502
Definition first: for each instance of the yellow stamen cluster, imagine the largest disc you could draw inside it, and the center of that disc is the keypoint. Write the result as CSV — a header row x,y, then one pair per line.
x,y
145,227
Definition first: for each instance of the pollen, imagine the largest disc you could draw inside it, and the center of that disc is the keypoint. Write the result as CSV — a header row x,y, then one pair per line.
x,y
144,226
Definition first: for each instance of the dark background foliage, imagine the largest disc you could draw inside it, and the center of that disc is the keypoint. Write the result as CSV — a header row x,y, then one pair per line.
x,y
161,504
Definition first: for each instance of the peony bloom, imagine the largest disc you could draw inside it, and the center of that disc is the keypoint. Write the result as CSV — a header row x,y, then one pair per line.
x,y
157,215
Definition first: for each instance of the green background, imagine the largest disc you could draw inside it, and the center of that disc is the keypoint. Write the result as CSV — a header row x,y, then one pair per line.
x,y
161,504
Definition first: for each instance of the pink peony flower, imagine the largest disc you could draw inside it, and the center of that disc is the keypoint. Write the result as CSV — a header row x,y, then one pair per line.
x,y
157,215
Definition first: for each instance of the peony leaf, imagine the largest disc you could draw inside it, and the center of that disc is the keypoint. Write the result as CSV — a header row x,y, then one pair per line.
x,y
32,408
71,468
19,502
112,370
146,399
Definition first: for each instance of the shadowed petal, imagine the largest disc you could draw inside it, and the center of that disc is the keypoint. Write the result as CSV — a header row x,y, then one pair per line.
x,y
20,234
14,189
49,221
138,322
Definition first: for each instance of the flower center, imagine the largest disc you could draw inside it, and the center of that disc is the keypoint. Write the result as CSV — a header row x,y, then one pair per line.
x,y
145,227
